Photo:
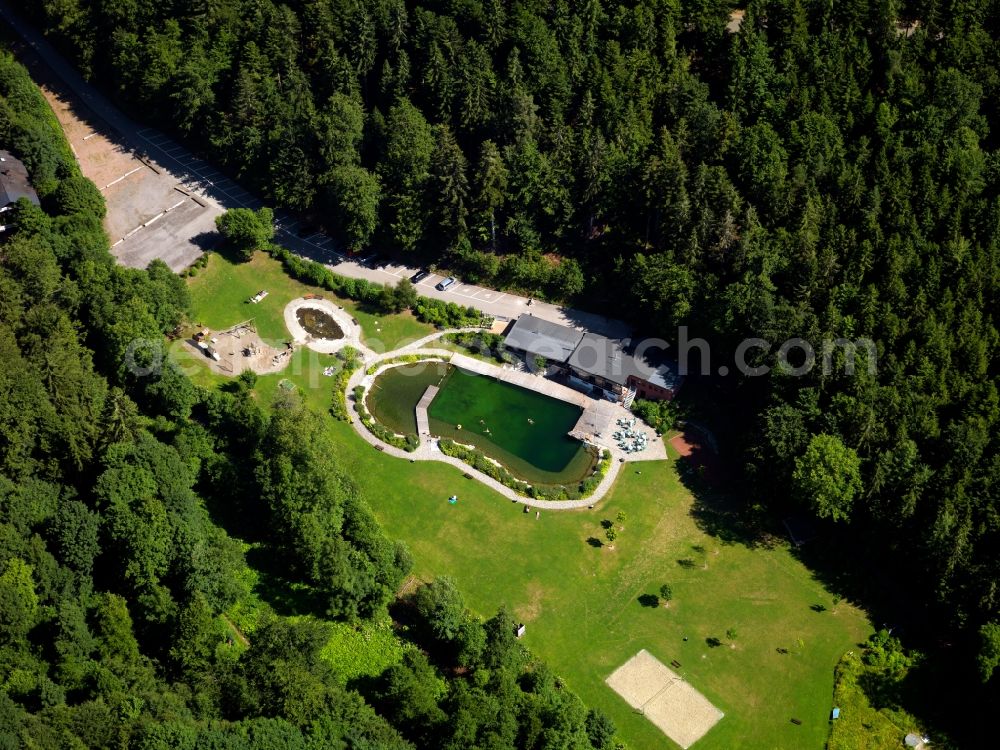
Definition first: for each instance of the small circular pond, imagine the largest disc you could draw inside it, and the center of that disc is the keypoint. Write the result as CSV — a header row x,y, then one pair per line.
x,y
318,324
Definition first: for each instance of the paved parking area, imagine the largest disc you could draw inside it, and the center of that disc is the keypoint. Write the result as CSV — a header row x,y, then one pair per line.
x,y
148,217
178,239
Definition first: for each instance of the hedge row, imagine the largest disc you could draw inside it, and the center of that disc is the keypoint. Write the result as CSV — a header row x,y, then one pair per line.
x,y
378,296
478,460
402,359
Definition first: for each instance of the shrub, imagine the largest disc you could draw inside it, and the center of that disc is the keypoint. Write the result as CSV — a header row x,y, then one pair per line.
x,y
659,415
481,342
78,195
338,409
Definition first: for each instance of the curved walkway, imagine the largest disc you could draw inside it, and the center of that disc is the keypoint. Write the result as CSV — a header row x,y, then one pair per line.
x,y
429,449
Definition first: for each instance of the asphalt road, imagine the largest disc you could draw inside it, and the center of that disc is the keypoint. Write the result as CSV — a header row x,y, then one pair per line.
x,y
221,193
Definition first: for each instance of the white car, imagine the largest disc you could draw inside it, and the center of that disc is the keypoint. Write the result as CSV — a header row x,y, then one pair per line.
x,y
445,283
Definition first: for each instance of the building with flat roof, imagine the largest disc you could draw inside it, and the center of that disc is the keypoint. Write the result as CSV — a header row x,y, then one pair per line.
x,y
539,337
617,367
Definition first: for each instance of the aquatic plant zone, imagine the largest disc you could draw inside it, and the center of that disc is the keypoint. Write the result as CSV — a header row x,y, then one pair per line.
x,y
318,324
526,431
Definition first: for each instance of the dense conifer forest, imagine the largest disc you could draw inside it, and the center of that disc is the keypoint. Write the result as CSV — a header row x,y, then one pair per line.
x,y
113,571
824,170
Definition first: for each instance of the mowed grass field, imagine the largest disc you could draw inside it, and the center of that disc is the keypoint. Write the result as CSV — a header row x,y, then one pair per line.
x,y
581,603
220,295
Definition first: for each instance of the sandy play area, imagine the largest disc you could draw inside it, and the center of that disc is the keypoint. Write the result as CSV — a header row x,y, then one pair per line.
x,y
665,698
240,348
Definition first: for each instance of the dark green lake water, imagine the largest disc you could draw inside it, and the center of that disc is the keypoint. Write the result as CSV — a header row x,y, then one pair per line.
x,y
395,393
523,430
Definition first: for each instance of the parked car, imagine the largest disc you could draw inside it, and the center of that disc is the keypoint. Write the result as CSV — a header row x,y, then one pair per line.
x,y
419,276
445,283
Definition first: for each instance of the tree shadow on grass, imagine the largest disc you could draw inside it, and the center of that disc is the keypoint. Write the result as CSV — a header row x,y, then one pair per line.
x,y
649,600
719,516
285,596
687,563
713,642
595,542
719,509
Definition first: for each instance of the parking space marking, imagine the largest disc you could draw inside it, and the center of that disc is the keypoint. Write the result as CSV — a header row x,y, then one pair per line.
x,y
116,181
155,218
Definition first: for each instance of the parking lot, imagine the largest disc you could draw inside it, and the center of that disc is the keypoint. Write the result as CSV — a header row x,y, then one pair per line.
x,y
163,199
148,216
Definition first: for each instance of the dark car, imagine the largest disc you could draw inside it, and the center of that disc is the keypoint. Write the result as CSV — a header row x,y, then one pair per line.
x,y
419,276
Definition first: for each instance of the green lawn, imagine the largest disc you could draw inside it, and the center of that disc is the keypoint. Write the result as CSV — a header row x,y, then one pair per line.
x,y
220,295
580,602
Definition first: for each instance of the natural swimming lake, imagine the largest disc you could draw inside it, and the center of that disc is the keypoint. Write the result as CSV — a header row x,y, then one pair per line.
x,y
395,393
524,430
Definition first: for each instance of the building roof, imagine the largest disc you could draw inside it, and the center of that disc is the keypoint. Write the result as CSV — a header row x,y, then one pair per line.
x,y
616,360
537,336
14,182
